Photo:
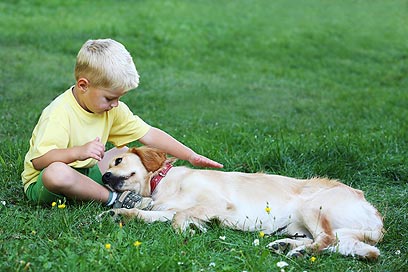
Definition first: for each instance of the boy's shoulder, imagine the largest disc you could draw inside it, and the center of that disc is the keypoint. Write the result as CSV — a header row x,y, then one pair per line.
x,y
61,102
62,96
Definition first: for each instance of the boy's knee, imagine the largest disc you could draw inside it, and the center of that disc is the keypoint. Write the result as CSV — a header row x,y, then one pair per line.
x,y
57,175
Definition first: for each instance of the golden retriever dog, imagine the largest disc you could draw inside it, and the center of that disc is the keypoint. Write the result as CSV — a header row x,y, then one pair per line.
x,y
315,214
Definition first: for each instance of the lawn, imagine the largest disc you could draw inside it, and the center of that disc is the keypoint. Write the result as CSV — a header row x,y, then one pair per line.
x,y
297,88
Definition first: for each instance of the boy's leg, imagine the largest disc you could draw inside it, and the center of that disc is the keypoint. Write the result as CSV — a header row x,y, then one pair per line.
x,y
61,179
38,194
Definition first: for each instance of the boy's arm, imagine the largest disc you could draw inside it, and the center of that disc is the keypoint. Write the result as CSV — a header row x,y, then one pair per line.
x,y
94,149
163,141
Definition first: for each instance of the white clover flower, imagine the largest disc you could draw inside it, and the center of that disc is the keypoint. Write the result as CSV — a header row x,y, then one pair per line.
x,y
222,238
212,264
255,242
397,252
281,264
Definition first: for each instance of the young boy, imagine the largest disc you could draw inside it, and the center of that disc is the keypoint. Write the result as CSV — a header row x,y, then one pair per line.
x,y
67,149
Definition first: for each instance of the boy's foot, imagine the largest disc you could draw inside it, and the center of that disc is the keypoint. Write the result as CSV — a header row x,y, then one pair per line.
x,y
130,200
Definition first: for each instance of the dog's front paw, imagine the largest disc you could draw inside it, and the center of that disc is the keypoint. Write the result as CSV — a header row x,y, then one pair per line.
x,y
182,222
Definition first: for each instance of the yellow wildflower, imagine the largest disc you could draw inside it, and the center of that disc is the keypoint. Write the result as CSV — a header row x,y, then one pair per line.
x,y
313,259
61,206
120,224
137,243
261,234
268,209
108,246
54,204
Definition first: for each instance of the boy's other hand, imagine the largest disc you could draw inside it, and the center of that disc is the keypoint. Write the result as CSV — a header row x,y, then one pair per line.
x,y
94,149
201,161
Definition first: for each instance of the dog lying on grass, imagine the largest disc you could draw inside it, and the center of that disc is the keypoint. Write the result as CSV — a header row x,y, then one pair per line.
x,y
315,214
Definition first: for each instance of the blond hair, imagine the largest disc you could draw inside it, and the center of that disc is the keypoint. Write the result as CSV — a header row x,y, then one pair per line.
x,y
106,63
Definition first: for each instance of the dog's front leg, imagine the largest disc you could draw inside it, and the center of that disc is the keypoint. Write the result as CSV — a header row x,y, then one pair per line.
x,y
147,216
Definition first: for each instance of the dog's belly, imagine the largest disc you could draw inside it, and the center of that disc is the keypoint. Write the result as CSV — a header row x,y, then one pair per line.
x,y
258,217
259,203
255,202
249,202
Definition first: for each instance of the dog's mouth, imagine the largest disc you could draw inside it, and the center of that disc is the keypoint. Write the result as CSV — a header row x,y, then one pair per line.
x,y
115,182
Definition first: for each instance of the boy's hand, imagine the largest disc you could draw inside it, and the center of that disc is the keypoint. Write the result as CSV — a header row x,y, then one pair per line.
x,y
94,149
201,161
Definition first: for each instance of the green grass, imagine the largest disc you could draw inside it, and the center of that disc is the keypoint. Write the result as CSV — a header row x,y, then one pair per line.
x,y
298,88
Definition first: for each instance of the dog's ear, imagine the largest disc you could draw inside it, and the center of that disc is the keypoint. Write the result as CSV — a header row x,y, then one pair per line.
x,y
151,158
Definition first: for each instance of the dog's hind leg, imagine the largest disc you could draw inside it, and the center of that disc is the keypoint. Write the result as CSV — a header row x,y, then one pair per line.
x,y
297,236
357,243
319,226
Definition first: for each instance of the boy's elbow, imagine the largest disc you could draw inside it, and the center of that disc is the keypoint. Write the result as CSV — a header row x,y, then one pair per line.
x,y
37,164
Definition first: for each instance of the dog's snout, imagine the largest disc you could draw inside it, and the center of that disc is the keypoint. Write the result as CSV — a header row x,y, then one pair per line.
x,y
106,177
112,181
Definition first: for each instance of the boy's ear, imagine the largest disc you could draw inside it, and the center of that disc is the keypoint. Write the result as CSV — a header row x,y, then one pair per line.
x,y
83,84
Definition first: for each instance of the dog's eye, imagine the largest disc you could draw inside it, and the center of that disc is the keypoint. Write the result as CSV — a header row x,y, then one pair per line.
x,y
117,161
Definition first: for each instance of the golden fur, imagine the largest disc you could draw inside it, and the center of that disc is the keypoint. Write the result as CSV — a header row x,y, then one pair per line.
x,y
316,214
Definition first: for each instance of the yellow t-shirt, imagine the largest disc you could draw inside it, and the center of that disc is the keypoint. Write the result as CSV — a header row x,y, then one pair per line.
x,y
64,123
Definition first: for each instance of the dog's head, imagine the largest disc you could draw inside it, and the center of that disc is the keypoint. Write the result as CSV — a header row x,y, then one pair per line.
x,y
131,170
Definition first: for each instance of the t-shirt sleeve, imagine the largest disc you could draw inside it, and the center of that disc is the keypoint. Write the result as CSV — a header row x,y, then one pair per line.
x,y
126,127
47,135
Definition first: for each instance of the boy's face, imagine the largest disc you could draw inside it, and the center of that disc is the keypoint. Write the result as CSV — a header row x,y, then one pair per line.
x,y
97,99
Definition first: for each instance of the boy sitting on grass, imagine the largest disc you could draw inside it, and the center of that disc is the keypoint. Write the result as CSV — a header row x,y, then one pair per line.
x,y
67,149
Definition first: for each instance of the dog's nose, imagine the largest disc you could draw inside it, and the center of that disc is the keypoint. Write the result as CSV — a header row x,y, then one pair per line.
x,y
106,177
